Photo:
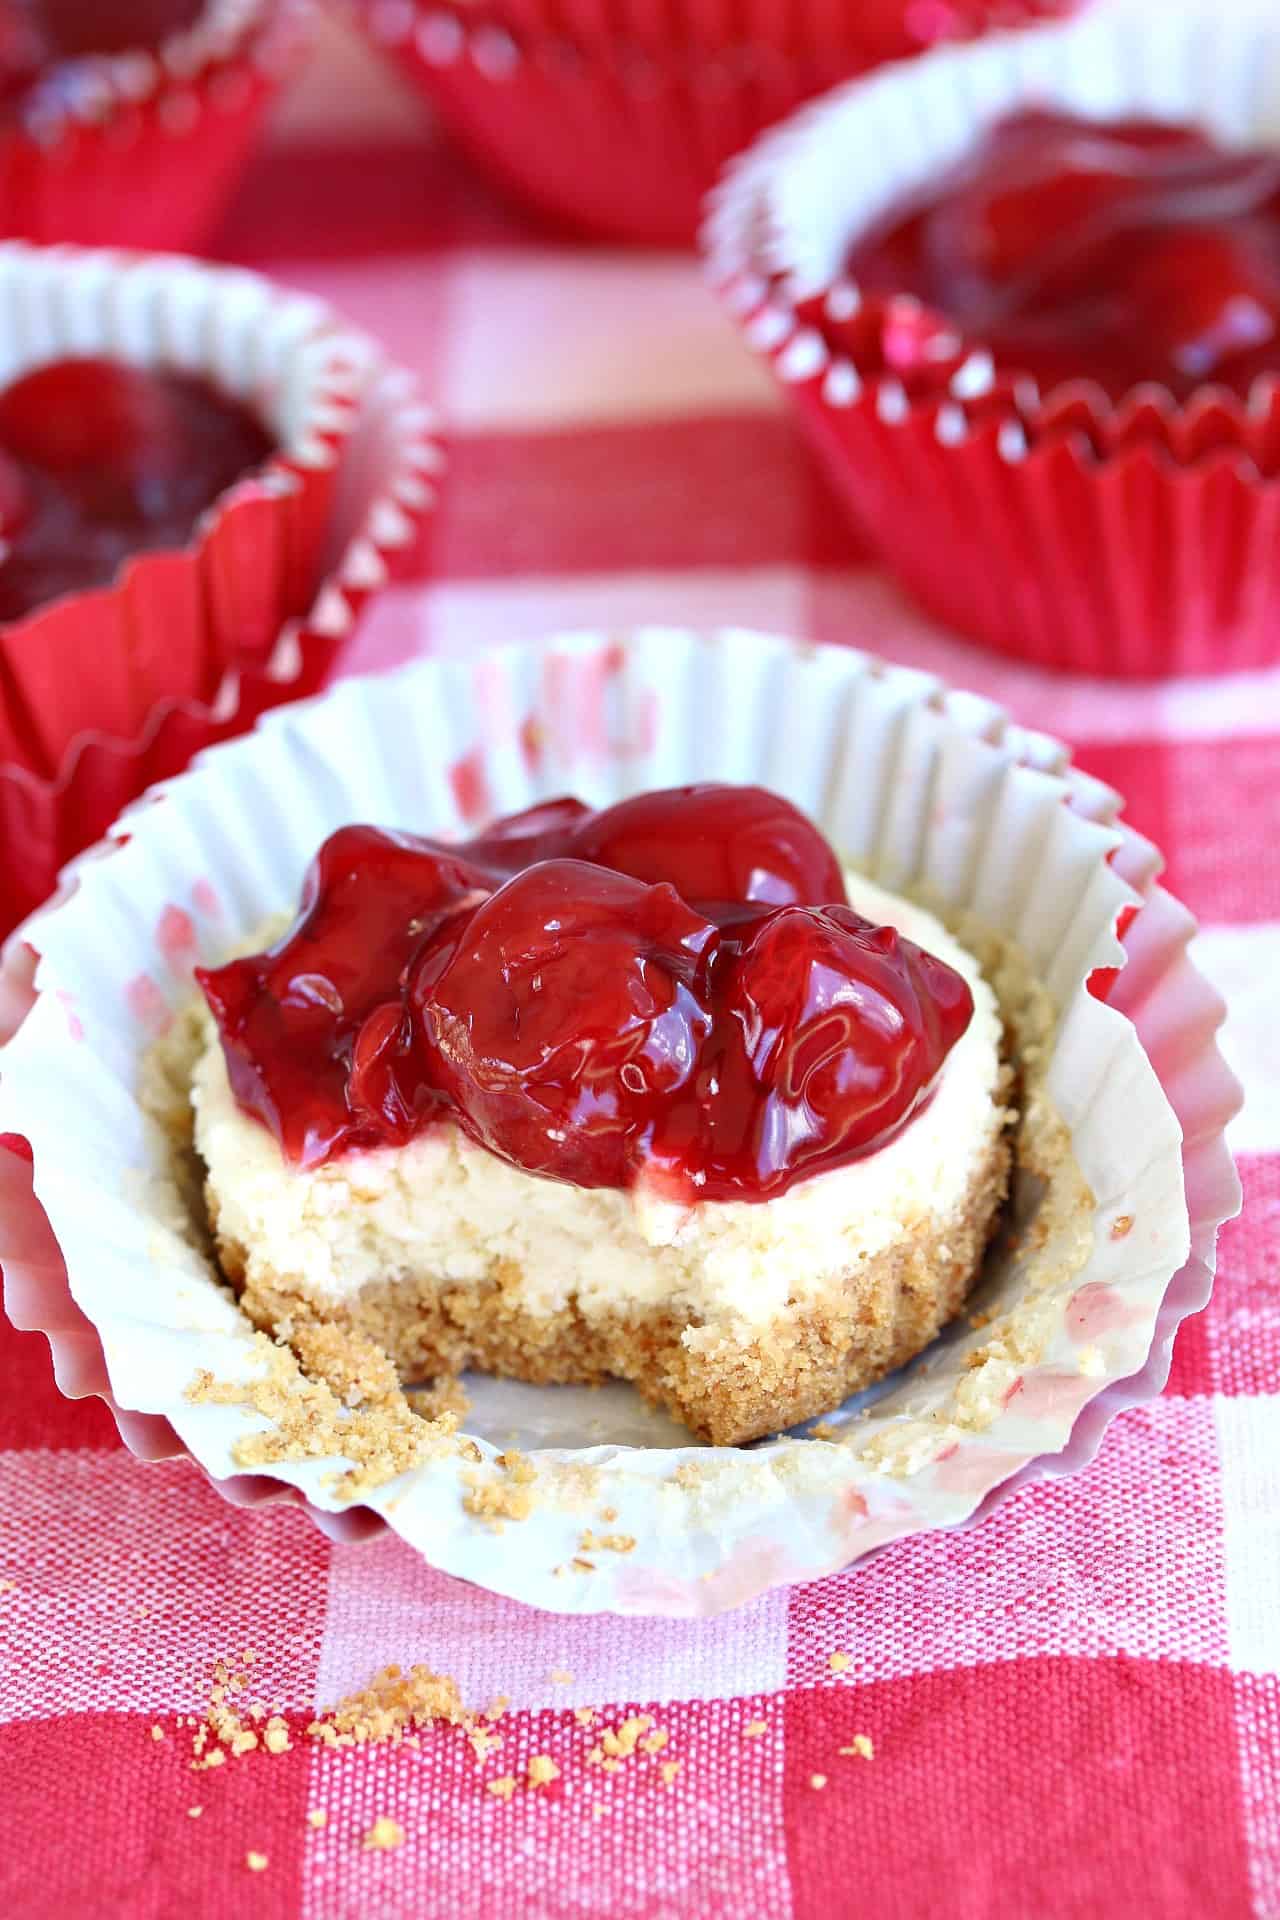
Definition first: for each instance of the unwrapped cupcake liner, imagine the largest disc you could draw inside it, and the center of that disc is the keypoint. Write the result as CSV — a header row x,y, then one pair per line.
x,y
103,692
1135,539
614,116
924,789
143,149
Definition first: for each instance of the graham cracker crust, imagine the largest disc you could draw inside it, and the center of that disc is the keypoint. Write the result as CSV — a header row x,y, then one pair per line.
x,y
727,1390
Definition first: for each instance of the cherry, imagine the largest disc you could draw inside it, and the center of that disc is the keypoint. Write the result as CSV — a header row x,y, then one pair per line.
x,y
845,1024
586,1018
1209,300
290,1018
715,843
564,1016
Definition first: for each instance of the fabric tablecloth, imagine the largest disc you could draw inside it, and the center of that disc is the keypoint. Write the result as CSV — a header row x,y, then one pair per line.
x,y
1074,1709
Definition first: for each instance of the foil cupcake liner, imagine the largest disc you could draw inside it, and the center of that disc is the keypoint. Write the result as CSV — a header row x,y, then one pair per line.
x,y
104,692
143,149
615,118
918,786
1133,539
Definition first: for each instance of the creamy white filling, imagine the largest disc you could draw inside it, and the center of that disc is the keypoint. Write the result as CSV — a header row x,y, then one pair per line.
x,y
443,1209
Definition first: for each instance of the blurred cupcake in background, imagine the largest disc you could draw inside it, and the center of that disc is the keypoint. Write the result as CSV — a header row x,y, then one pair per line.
x,y
128,122
201,480
616,116
1026,295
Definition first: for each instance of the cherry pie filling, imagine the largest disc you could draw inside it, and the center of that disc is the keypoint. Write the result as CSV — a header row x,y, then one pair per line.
x,y
674,987
1112,252
100,461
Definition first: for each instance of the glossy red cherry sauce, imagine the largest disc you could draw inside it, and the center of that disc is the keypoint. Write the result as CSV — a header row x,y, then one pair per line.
x,y
99,461
41,39
1081,250
674,986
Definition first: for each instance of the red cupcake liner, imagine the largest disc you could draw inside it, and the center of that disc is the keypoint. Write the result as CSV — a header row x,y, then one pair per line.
x,y
377,502
143,149
612,117
1133,539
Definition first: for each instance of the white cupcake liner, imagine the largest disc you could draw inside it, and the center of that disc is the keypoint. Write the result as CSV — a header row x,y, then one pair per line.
x,y
920,787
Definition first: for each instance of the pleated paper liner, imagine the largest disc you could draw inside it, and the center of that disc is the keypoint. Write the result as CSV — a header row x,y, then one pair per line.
x,y
617,117
367,485
920,787
1136,539
143,149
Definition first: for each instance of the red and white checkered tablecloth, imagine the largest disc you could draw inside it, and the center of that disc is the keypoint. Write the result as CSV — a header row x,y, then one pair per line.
x,y
1075,1707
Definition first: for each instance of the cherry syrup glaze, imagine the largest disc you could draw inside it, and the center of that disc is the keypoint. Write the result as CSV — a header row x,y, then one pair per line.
x,y
675,986
98,461
1114,252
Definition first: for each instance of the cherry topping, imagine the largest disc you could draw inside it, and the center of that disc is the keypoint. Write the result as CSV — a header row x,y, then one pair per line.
x,y
1117,252
100,460
586,1021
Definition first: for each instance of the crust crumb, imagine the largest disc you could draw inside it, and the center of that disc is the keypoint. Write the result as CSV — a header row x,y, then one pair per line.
x,y
483,1742
503,1787
542,1770
1122,1226
862,1746
446,1395
317,1817
193,1813
496,1500
256,1862
817,1780
386,1710
668,1771
606,1543
384,1836
560,1677
157,1733
585,1716
754,1729
839,1662
338,1396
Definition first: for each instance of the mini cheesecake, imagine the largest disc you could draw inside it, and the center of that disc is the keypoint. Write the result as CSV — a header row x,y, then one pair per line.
x,y
656,1092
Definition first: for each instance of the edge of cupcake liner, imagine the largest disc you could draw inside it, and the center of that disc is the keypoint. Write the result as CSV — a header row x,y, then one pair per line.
x,y
498,35
68,166
260,31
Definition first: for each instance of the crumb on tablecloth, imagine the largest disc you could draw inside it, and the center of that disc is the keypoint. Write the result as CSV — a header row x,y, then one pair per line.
x,y
384,1836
